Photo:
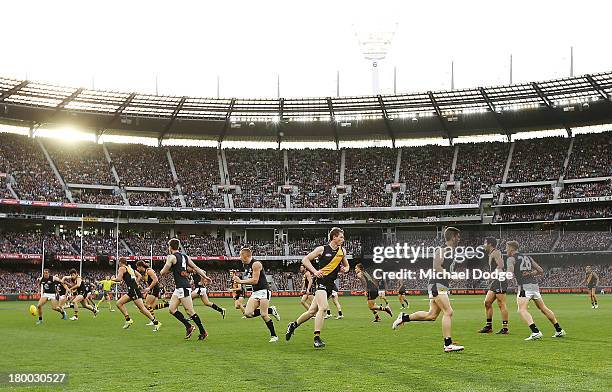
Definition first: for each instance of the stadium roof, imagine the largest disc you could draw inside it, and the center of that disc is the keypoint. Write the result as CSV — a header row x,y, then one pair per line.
x,y
560,103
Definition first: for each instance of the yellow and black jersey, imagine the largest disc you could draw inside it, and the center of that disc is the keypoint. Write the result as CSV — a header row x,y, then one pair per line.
x,y
329,262
591,280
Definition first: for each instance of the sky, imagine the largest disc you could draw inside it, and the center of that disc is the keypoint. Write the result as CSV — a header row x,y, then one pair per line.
x,y
125,45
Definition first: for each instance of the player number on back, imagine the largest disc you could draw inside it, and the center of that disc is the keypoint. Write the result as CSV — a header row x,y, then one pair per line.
x,y
525,263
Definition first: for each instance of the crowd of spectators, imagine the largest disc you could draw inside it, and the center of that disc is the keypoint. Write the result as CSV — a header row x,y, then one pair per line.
x,y
198,170
587,211
479,167
260,247
315,172
538,159
140,242
573,241
5,193
80,163
202,245
96,196
525,195
423,170
368,171
139,165
525,215
259,173
31,242
157,199
586,189
25,160
591,156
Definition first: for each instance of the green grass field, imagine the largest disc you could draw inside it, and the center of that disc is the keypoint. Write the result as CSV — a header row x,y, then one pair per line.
x,y
99,355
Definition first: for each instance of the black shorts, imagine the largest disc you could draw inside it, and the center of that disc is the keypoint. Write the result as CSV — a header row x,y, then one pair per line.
x,y
238,294
498,287
372,295
155,291
134,293
321,284
402,292
83,293
591,287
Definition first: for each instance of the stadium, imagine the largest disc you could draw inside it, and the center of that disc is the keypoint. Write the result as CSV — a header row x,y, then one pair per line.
x,y
105,191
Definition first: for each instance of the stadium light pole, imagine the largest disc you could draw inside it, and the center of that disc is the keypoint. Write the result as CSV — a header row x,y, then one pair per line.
x,y
394,80
374,44
571,61
452,75
337,83
43,257
510,68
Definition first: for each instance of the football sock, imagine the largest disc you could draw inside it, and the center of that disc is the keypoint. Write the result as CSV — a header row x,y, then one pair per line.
x,y
534,329
270,325
179,316
198,322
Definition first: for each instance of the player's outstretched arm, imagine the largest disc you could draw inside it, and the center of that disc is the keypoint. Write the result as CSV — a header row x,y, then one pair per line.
x,y
197,269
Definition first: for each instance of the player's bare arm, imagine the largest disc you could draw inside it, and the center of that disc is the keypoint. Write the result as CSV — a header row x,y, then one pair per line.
x,y
309,258
257,267
119,276
499,261
197,269
170,260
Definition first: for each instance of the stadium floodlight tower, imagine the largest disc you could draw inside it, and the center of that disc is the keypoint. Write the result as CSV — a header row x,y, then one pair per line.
x,y
374,43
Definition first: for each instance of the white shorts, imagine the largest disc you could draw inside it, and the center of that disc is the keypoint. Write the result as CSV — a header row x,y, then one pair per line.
x,y
201,291
381,293
529,294
334,293
261,294
436,289
48,296
182,292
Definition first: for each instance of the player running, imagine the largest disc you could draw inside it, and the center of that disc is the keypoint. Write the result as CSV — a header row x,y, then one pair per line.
x,y
81,289
525,269
237,293
331,259
497,288
107,294
177,263
382,291
127,274
402,295
437,288
201,291
307,287
259,301
48,291
152,291
371,292
591,280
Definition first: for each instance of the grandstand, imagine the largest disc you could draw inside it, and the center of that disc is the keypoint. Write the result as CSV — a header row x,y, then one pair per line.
x,y
97,201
